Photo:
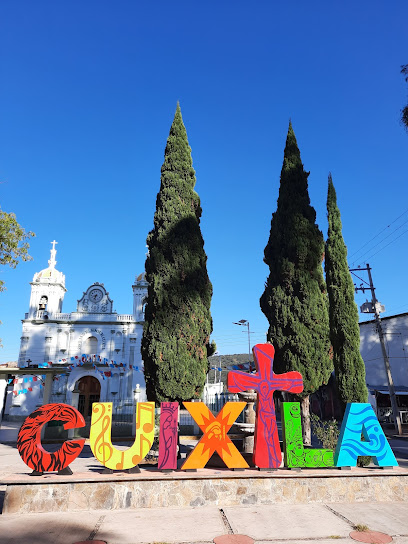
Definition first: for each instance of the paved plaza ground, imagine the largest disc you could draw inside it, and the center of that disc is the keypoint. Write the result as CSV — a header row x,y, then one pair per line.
x,y
277,523
302,523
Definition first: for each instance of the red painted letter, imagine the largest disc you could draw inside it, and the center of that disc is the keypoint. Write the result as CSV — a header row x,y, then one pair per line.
x,y
267,452
29,438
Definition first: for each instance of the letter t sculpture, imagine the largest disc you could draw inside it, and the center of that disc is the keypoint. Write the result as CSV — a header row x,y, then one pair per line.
x,y
267,452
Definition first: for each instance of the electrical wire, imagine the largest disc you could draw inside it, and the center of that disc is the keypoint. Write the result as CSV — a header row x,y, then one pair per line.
x,y
376,236
381,241
392,241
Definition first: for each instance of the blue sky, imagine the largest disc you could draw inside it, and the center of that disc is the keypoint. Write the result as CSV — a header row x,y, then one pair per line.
x,y
87,96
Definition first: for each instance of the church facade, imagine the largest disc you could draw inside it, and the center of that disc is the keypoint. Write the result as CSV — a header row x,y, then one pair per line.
x,y
96,350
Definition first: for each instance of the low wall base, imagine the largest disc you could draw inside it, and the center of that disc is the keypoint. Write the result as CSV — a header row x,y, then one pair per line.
x,y
216,488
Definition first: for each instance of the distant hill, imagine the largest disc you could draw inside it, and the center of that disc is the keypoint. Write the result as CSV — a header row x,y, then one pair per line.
x,y
9,364
224,361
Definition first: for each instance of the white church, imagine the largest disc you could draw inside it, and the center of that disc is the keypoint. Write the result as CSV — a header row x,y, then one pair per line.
x,y
88,355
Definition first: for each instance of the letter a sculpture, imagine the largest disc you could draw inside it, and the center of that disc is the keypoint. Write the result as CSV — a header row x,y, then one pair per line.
x,y
267,452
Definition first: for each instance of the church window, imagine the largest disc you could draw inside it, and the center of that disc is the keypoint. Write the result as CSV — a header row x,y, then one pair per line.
x,y
118,342
90,346
63,341
43,303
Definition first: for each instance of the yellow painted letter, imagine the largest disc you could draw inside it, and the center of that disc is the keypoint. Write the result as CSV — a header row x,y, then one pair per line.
x,y
100,438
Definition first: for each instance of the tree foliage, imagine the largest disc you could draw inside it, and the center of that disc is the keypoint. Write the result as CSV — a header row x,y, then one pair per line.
x,y
404,111
343,314
13,242
294,299
178,322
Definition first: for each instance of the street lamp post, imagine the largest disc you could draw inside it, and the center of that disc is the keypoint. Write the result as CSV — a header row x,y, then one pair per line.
x,y
219,367
249,396
245,323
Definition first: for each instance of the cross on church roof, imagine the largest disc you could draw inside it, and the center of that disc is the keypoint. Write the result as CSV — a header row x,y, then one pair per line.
x,y
52,262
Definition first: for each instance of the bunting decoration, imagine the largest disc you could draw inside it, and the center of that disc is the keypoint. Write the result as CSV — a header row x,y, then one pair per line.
x,y
75,362
26,380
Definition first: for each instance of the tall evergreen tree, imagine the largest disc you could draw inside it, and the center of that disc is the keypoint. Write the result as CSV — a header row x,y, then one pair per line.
x,y
178,322
294,299
404,111
343,315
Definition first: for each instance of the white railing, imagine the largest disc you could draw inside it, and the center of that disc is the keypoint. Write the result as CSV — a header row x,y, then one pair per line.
x,y
63,317
77,316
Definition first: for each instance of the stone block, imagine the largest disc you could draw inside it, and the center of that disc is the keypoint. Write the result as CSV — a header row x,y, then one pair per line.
x,y
161,492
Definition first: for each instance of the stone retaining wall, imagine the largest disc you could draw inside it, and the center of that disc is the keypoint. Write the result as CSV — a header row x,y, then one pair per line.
x,y
133,494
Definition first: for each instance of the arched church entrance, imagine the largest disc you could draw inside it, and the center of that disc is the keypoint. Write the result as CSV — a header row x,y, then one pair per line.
x,y
89,392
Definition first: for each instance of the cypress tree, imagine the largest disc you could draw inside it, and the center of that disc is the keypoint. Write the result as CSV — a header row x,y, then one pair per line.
x,y
294,299
404,111
178,322
343,314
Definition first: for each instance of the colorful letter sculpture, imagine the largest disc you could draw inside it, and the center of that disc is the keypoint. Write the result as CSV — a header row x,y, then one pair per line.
x,y
360,418
215,436
29,439
100,439
168,436
295,456
267,452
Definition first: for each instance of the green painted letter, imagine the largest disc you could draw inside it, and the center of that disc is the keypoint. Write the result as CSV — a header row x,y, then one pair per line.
x,y
295,456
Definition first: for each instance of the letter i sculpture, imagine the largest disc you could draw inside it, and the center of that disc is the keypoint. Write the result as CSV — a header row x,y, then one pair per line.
x,y
168,436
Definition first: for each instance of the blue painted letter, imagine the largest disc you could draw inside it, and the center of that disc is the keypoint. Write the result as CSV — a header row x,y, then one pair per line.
x,y
360,418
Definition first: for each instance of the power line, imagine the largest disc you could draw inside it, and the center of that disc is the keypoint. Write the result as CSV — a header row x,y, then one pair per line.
x,y
381,241
376,236
392,241
395,308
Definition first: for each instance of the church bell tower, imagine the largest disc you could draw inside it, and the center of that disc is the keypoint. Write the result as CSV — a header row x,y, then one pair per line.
x,y
47,290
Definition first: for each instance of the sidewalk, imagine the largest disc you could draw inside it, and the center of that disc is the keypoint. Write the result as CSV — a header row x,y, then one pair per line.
x,y
9,431
305,523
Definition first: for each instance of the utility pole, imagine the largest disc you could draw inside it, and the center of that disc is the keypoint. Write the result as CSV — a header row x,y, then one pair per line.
x,y
375,310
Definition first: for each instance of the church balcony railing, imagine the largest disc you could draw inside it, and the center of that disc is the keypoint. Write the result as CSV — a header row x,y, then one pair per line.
x,y
63,317
79,316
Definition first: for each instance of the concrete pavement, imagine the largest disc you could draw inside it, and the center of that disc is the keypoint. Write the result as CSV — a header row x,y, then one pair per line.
x,y
306,523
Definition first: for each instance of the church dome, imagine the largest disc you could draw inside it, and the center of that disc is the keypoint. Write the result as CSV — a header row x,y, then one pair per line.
x,y
50,274
141,277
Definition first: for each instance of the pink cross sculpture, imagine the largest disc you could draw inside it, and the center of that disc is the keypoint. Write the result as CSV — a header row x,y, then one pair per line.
x,y
267,452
